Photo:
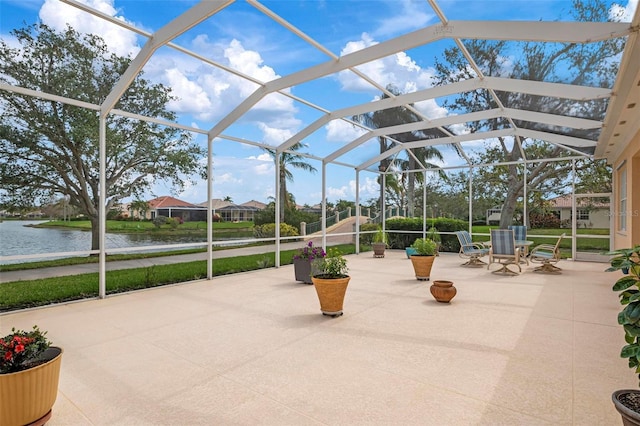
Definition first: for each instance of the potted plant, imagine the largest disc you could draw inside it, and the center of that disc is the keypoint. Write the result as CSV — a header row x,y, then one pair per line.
x,y
379,243
29,373
331,283
627,401
434,236
422,260
303,262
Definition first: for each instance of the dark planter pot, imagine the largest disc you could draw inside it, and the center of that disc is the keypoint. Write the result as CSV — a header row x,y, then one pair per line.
x,y
378,249
629,416
303,269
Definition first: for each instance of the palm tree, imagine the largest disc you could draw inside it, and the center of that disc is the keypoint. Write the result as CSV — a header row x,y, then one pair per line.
x,y
395,116
228,199
289,160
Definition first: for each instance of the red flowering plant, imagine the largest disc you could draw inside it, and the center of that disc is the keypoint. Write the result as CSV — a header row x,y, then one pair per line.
x,y
22,350
310,252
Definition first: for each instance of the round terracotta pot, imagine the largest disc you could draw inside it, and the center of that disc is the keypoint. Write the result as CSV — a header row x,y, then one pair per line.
x,y
27,396
443,291
422,266
331,293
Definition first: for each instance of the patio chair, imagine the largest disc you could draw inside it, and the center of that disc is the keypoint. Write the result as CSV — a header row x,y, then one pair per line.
x,y
504,251
470,250
520,235
519,232
547,255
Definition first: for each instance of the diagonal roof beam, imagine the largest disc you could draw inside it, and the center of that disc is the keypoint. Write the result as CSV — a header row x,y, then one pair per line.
x,y
418,125
407,98
577,32
542,88
429,142
554,138
552,119
198,13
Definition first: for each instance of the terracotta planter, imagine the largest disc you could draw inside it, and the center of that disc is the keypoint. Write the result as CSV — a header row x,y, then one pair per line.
x,y
26,397
378,249
443,291
331,293
629,417
422,266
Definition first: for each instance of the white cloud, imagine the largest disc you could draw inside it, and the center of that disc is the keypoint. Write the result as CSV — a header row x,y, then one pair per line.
x,y
120,41
431,109
227,178
621,13
192,96
209,93
369,188
411,16
273,135
398,70
341,131
261,157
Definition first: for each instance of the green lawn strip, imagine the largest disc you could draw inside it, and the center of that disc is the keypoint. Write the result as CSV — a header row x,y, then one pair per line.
x,y
145,226
110,258
32,293
595,245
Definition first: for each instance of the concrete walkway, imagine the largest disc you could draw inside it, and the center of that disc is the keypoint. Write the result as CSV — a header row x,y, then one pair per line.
x,y
333,238
253,349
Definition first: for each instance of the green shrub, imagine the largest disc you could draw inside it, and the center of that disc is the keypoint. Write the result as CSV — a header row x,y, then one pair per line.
x,y
158,221
424,247
400,240
367,239
268,230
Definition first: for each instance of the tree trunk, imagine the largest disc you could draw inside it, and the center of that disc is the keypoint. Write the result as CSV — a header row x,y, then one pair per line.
x,y
95,233
283,195
508,208
411,183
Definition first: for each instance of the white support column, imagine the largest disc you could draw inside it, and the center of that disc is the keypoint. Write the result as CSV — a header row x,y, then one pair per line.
x,y
209,207
383,201
357,211
470,200
525,217
102,210
278,202
574,212
324,206
424,205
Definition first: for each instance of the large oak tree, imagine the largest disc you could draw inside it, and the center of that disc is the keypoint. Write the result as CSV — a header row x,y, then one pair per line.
x,y
590,64
49,147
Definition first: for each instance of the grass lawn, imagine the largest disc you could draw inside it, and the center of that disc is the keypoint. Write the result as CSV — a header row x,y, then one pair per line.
x,y
596,245
32,293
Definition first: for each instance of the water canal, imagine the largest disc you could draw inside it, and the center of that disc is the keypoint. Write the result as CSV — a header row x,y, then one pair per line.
x,y
17,237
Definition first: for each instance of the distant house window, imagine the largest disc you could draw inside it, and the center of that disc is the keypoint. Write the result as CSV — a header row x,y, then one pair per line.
x,y
582,214
622,196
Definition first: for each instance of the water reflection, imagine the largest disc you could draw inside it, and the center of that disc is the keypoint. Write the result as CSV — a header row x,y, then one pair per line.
x,y
18,238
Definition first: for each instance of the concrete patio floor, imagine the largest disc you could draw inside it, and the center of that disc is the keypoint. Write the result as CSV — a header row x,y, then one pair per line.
x,y
253,348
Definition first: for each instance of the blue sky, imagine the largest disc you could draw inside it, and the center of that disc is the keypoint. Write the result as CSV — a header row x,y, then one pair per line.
x,y
245,39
